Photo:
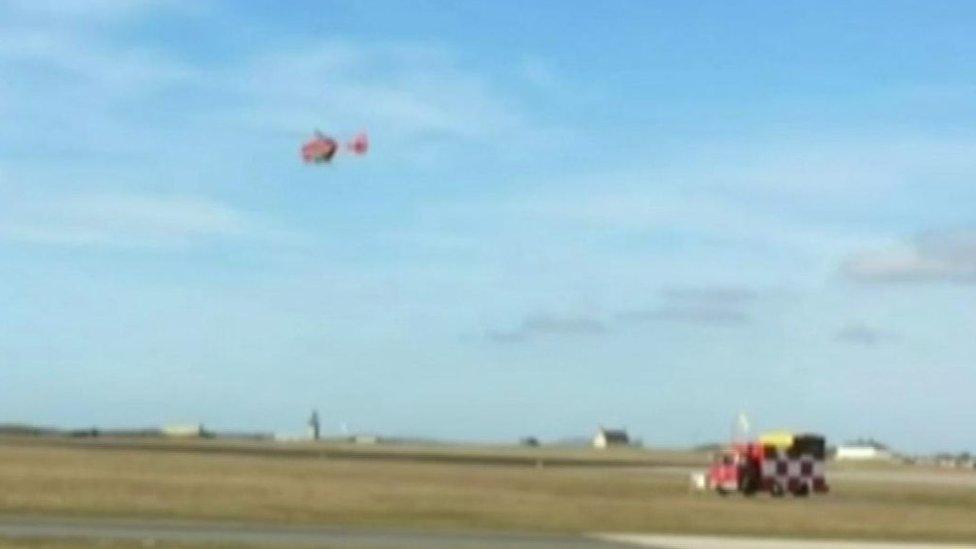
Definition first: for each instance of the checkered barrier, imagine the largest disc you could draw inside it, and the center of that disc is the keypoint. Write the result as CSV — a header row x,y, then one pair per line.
x,y
793,473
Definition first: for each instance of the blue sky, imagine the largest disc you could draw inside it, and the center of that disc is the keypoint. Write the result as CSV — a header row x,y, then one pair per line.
x,y
652,215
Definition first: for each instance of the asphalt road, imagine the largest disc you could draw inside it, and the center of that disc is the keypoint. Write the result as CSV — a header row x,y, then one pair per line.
x,y
954,478
151,532
709,542
950,477
161,532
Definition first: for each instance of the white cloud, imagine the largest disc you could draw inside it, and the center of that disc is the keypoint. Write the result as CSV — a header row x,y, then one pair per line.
x,y
84,10
65,91
858,333
698,315
419,102
611,203
127,221
540,73
829,171
107,71
407,91
817,199
548,325
710,295
946,256
702,305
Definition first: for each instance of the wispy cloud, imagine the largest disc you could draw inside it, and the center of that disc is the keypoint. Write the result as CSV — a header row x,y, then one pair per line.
x,y
702,305
546,325
938,256
707,305
688,314
86,89
99,9
417,99
647,202
540,73
711,295
411,95
861,334
105,71
555,325
128,221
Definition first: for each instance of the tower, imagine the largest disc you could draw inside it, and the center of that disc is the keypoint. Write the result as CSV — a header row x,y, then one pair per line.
x,y
314,426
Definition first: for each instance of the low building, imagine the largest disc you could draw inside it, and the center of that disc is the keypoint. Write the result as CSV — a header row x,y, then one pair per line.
x,y
365,439
186,431
955,461
862,452
610,438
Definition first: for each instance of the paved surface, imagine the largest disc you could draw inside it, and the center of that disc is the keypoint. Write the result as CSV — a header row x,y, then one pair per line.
x,y
704,542
950,477
250,534
956,478
267,535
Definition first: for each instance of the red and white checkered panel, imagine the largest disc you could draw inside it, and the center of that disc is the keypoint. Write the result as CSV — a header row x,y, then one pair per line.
x,y
794,473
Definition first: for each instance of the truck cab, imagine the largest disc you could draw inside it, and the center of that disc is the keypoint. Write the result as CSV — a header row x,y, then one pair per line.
x,y
735,470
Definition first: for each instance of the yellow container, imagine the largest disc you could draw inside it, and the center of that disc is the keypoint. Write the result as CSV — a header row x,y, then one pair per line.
x,y
780,439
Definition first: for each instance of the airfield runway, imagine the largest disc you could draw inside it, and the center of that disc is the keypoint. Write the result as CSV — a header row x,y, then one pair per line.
x,y
710,542
150,533
265,487
154,532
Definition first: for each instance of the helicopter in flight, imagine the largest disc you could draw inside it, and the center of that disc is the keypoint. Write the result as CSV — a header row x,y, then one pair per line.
x,y
322,148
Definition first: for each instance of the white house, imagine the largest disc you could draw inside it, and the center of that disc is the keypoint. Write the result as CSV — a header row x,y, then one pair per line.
x,y
365,439
185,431
608,438
862,452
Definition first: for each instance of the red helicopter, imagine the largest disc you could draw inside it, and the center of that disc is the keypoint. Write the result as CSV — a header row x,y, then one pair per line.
x,y
321,148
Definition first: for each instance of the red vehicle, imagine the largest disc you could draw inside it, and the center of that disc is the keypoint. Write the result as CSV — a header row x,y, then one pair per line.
x,y
778,463
321,148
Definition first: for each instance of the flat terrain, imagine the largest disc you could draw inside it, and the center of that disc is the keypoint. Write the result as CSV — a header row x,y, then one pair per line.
x,y
706,542
62,532
449,490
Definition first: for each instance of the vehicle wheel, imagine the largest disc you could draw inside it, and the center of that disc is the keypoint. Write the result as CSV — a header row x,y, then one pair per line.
x,y
776,490
750,485
802,491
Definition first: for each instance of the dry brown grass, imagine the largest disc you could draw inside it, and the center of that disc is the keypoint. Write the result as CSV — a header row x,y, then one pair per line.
x,y
472,454
69,543
305,489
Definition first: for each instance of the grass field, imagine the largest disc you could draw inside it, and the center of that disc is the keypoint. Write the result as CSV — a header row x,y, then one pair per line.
x,y
578,491
43,543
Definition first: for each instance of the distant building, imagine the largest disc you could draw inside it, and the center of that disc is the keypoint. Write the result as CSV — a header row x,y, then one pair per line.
x,y
610,438
241,435
959,461
863,452
289,437
365,439
186,431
